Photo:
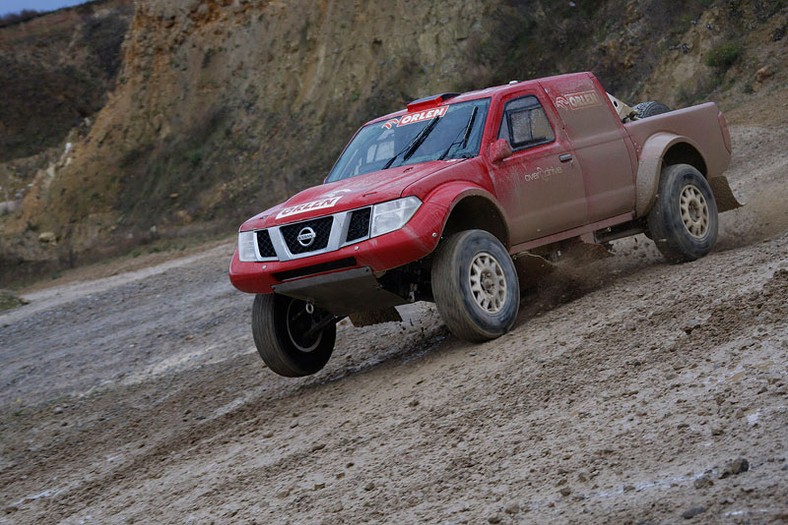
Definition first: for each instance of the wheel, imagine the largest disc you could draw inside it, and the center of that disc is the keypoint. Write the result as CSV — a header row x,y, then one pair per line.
x,y
280,326
683,222
651,108
475,286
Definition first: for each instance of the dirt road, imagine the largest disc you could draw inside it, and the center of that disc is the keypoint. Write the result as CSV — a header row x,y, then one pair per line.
x,y
630,391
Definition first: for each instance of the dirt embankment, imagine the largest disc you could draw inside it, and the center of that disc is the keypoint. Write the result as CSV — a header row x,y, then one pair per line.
x,y
630,391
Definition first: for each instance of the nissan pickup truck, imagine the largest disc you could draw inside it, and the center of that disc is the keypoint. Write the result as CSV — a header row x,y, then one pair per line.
x,y
439,201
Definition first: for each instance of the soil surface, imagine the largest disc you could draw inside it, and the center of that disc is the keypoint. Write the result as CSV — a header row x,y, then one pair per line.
x,y
630,391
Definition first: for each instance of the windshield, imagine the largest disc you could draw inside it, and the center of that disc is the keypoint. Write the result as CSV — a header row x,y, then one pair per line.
x,y
446,132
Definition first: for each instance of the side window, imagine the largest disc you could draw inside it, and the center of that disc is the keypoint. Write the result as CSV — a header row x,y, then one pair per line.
x,y
525,123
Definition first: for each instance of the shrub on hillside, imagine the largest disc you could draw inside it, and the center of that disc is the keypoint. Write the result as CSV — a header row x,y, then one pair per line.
x,y
724,55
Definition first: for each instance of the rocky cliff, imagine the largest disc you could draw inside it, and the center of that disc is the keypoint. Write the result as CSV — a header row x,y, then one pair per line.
x,y
224,107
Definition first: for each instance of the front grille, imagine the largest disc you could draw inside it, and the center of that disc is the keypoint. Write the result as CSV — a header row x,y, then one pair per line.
x,y
313,235
359,224
264,244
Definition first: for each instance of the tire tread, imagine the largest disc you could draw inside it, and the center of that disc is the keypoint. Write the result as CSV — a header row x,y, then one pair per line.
x,y
272,343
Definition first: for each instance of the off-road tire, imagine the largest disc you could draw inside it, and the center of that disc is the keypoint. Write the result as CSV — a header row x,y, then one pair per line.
x,y
278,327
475,286
683,221
650,108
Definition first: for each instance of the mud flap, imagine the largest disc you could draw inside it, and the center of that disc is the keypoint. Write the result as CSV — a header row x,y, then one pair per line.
x,y
723,194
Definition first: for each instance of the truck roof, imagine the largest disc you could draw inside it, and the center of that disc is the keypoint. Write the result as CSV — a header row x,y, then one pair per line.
x,y
489,92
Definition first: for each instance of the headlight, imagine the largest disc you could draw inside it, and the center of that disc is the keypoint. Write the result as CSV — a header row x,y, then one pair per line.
x,y
392,215
247,250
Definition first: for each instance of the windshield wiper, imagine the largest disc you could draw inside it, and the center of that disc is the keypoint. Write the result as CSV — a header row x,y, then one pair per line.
x,y
413,145
465,136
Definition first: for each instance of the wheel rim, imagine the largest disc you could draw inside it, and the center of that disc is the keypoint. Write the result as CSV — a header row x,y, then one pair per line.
x,y
694,211
299,321
488,283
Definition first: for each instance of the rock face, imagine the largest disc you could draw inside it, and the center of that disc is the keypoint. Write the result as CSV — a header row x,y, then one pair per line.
x,y
232,105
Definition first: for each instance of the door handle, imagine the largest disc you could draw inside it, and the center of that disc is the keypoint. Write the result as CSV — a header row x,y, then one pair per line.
x,y
565,157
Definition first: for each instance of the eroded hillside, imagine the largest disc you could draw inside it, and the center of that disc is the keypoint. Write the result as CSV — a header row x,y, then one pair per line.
x,y
222,108
55,71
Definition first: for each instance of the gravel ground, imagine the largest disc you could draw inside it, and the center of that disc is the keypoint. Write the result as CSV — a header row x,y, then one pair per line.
x,y
630,391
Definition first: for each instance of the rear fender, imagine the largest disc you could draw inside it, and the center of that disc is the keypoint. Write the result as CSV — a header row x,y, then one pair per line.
x,y
650,166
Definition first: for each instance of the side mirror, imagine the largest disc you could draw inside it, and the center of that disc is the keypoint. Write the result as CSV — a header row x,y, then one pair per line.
x,y
499,150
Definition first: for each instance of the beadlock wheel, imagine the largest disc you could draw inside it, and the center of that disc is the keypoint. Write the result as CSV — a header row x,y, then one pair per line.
x,y
487,282
694,211
298,324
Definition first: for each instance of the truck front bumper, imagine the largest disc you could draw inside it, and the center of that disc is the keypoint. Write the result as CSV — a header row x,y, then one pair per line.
x,y
329,279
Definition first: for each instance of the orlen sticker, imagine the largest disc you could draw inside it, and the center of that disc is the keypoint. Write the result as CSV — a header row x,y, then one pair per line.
x,y
328,202
581,100
390,122
427,114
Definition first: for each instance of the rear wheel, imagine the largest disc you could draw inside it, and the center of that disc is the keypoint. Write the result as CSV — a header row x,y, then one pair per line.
x,y
683,222
651,108
293,338
475,286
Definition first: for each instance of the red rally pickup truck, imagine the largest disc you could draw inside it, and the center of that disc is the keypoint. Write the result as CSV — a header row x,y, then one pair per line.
x,y
440,200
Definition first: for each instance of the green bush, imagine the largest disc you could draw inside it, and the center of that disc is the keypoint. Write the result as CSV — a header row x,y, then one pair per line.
x,y
724,55
195,157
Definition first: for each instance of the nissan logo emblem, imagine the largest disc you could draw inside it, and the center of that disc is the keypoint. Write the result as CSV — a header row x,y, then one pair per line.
x,y
306,237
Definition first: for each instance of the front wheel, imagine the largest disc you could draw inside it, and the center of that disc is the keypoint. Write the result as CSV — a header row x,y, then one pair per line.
x,y
293,338
683,222
475,286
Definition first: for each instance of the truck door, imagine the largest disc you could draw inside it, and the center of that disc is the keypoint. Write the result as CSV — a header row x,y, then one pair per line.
x,y
600,143
540,186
